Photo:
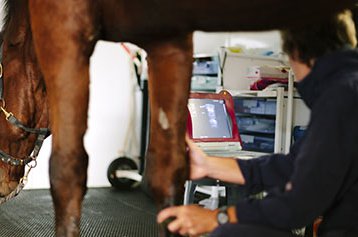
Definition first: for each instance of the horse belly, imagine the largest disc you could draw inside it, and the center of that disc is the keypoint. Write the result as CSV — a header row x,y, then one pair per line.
x,y
144,20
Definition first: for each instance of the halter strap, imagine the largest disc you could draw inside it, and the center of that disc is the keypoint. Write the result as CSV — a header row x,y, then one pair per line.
x,y
42,133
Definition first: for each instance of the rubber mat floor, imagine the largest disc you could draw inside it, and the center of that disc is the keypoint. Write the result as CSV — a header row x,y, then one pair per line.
x,y
106,213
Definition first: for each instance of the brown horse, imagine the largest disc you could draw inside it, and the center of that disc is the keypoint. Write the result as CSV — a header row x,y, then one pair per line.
x,y
65,33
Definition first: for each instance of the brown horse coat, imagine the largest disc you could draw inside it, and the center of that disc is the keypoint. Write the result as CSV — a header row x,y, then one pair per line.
x,y
65,33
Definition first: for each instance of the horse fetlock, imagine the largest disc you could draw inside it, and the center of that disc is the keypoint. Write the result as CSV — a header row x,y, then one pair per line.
x,y
159,185
68,186
70,228
68,212
168,199
166,177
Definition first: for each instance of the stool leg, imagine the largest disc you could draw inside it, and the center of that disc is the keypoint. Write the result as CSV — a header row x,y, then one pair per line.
x,y
189,192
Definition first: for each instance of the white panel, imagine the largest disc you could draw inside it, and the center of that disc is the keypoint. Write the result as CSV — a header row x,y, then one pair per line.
x,y
209,43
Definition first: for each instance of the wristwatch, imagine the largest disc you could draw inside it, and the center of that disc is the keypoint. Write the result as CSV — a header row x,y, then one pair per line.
x,y
222,216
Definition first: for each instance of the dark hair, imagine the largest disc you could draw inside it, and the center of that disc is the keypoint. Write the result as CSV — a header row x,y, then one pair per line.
x,y
315,40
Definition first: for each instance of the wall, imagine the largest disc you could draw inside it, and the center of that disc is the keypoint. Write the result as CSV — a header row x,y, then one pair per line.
x,y
210,42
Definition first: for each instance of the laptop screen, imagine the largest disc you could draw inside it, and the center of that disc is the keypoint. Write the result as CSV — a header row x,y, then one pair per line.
x,y
212,118
209,118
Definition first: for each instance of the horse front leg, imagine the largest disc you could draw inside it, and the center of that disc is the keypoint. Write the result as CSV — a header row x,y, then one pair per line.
x,y
63,53
170,68
69,160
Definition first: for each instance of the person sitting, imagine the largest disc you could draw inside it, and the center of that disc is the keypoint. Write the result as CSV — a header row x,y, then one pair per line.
x,y
319,176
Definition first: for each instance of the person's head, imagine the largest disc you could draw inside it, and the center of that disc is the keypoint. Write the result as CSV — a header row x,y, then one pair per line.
x,y
305,44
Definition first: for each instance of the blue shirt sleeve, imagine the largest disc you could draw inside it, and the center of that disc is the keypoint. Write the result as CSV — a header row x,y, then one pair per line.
x,y
266,172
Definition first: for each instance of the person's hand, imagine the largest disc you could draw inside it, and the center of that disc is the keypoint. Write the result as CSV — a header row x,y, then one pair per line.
x,y
198,160
191,220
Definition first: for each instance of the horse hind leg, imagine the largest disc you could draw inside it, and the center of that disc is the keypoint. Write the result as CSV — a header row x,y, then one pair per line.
x,y
170,67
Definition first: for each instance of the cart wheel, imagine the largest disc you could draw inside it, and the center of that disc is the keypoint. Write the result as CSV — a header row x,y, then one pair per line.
x,y
121,163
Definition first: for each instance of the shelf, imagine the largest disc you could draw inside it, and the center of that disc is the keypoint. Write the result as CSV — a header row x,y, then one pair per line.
x,y
235,71
257,133
249,93
269,107
261,57
256,115
262,93
260,106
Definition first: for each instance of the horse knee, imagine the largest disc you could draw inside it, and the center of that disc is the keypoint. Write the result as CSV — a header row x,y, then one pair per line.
x,y
68,168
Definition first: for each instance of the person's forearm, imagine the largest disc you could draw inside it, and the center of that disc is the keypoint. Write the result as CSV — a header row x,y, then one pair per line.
x,y
224,169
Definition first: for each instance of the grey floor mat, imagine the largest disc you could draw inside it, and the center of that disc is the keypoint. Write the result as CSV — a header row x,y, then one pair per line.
x,y
106,213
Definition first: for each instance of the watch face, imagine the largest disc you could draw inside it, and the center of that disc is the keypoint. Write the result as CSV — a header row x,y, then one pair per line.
x,y
223,218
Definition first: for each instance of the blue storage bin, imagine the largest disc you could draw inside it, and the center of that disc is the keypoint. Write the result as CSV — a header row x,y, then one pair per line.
x,y
258,125
206,66
257,143
204,83
255,106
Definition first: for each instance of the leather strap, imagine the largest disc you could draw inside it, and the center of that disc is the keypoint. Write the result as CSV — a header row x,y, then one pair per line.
x,y
42,133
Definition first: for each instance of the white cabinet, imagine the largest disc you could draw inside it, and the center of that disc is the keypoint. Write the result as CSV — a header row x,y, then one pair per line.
x,y
266,118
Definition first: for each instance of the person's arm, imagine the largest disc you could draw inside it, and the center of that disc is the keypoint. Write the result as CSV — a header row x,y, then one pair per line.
x,y
202,165
257,174
224,169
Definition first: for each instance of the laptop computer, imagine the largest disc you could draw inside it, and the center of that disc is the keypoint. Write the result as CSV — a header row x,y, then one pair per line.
x,y
212,125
